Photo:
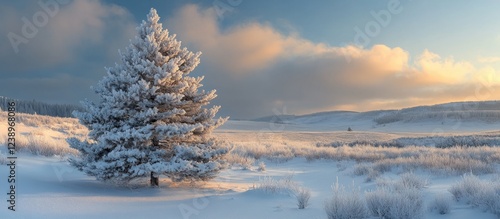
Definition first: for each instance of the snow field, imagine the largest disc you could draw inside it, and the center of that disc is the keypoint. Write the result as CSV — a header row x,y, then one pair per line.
x,y
291,162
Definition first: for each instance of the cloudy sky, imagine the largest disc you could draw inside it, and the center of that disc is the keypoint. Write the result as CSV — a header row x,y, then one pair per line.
x,y
265,57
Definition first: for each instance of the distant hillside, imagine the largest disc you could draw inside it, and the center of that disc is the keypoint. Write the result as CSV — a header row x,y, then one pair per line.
x,y
40,108
487,111
322,116
482,111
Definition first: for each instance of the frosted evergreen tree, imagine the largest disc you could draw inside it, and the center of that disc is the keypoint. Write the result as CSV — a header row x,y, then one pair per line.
x,y
150,119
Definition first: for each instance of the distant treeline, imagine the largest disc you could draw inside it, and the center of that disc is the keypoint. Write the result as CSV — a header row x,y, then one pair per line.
x,y
40,108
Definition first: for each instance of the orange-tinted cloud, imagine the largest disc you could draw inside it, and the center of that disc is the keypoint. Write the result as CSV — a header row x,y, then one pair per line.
x,y
257,68
432,69
489,59
240,49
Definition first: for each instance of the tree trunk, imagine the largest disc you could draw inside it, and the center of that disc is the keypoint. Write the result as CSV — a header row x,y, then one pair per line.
x,y
154,182
155,142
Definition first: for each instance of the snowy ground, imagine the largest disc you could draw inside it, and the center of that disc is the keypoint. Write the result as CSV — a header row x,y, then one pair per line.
x,y
48,188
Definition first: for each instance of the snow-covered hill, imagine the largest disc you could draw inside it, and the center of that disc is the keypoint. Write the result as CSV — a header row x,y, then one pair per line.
x,y
311,151
441,118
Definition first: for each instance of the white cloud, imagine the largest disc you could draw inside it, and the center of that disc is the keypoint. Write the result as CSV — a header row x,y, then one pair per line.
x,y
256,68
490,59
241,49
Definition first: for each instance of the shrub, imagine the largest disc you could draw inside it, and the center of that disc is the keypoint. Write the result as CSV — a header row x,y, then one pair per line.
x,y
478,193
441,204
284,185
362,169
303,195
467,188
345,204
410,180
262,166
391,204
379,202
372,175
236,159
409,204
402,199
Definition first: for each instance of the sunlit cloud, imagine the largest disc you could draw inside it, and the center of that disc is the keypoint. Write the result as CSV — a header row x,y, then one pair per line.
x,y
434,69
240,49
254,66
288,70
490,59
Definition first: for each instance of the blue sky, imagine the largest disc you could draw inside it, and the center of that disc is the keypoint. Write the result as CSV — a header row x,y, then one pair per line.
x,y
267,56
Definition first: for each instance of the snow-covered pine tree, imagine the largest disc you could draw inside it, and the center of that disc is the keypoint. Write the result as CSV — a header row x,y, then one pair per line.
x,y
150,119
